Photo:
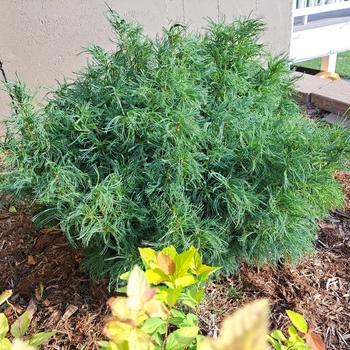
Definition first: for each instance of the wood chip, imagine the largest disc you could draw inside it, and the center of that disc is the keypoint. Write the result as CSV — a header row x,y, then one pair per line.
x,y
32,307
71,309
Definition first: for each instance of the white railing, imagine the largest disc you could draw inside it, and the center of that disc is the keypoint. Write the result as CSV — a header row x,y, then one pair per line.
x,y
309,7
317,39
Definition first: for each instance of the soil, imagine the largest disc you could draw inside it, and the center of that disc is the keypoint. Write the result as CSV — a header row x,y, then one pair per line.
x,y
46,277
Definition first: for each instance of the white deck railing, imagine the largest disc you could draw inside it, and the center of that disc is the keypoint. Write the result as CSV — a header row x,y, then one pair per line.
x,y
310,7
326,34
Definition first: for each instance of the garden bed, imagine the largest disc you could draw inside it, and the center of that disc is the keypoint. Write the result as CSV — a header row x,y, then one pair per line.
x,y
319,287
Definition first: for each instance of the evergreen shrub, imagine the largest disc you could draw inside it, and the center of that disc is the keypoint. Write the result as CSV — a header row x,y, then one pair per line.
x,y
191,139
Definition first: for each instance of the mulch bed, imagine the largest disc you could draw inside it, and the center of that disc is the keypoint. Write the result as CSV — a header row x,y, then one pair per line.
x,y
318,288
46,277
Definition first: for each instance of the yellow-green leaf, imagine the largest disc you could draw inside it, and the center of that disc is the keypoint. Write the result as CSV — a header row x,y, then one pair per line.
x,y
12,209
155,324
5,295
294,336
170,251
5,344
20,326
185,280
139,340
125,276
246,329
277,334
182,263
195,296
196,261
149,258
170,296
298,321
37,339
205,270
276,345
117,331
166,263
4,326
181,338
156,276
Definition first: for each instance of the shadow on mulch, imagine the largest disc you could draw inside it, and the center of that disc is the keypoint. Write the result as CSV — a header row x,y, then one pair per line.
x,y
34,260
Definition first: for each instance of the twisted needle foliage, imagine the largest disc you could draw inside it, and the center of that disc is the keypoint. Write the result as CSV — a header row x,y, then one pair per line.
x,y
188,140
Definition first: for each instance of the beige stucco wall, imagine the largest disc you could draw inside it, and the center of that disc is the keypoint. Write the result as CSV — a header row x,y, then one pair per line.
x,y
40,39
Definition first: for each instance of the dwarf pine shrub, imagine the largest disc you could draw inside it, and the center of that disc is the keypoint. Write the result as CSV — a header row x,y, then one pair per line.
x,y
191,139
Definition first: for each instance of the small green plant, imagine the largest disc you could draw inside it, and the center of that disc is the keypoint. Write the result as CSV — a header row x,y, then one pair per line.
x,y
152,315
18,330
307,340
154,318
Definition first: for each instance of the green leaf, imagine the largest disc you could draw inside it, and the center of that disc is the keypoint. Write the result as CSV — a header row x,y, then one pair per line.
x,y
186,320
156,276
149,258
199,339
177,318
125,276
122,289
192,298
170,251
196,261
292,331
277,334
182,263
274,343
185,280
170,296
195,296
181,338
12,209
298,321
5,344
158,338
37,339
294,336
191,320
20,326
154,324
204,272
4,326
5,295
123,346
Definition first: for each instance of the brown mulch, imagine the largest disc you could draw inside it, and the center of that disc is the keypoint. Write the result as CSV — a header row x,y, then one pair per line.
x,y
46,277
318,288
